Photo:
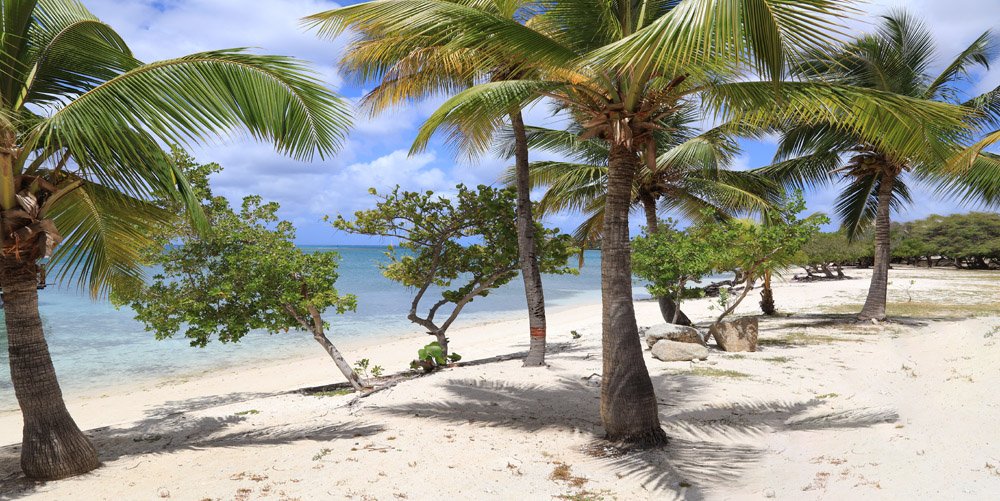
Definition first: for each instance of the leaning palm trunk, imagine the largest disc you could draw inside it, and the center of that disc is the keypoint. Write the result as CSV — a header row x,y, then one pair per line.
x,y
53,446
526,248
628,403
874,308
669,310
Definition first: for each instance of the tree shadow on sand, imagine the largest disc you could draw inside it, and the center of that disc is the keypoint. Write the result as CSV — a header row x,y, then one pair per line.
x,y
164,434
707,446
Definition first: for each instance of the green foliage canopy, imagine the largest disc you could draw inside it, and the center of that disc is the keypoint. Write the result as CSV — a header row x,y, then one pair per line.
x,y
431,230
244,275
671,258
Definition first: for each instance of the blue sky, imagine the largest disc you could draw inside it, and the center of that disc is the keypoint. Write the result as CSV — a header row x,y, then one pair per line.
x,y
376,153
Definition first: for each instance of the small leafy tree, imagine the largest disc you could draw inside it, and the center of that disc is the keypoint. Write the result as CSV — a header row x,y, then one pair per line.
x,y
756,250
430,229
244,275
670,258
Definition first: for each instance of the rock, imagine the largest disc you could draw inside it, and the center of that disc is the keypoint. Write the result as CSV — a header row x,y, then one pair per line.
x,y
673,351
769,493
673,332
736,335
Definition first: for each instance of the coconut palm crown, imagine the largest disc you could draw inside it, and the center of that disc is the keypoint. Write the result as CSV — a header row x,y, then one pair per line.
x,y
896,58
82,129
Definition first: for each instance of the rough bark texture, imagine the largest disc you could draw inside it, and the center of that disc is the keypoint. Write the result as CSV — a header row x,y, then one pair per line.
x,y
767,296
526,249
874,308
53,446
628,403
668,308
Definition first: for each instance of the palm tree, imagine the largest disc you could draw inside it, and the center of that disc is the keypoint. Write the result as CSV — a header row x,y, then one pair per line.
x,y
894,59
81,125
689,177
620,68
410,66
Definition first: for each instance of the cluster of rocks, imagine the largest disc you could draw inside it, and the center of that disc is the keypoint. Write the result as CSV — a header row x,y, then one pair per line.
x,y
674,343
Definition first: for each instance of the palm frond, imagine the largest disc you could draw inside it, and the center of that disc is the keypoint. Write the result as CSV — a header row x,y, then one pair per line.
x,y
200,97
472,118
105,232
726,34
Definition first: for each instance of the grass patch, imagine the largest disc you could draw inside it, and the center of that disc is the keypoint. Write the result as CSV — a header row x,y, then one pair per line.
x,y
778,360
801,338
249,412
604,495
713,372
828,395
562,473
335,393
736,357
924,310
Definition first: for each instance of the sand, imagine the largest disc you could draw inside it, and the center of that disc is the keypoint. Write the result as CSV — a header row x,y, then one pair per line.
x,y
826,409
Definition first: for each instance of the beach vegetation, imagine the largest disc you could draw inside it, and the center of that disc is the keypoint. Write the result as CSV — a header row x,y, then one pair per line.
x,y
462,246
670,259
967,241
245,274
778,360
432,356
757,250
825,253
333,393
713,372
82,126
361,367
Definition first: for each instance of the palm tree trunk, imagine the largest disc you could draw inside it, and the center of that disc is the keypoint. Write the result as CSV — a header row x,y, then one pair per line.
x,y
767,296
874,308
526,248
628,403
53,446
668,308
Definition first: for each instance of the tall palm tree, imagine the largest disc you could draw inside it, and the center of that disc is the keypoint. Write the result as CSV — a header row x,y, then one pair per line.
x,y
896,59
81,124
690,176
409,66
621,67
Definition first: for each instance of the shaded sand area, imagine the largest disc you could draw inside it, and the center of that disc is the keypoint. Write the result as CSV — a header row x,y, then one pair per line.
x,y
826,409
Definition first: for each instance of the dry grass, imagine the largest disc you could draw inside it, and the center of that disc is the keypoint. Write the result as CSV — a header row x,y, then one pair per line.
x,y
925,309
713,372
802,338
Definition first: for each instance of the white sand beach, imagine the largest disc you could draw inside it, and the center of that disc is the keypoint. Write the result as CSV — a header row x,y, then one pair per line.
x,y
825,409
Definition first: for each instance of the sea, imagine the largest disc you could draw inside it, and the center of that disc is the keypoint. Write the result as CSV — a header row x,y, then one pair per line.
x,y
95,346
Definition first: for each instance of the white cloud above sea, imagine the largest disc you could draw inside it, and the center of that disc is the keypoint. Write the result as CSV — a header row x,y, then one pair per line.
x,y
376,153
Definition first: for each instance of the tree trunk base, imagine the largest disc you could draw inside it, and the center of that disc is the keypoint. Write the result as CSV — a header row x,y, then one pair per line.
x,y
667,309
767,302
51,451
536,353
648,440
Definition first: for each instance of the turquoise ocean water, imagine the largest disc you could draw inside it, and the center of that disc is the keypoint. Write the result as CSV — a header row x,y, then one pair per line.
x,y
94,346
